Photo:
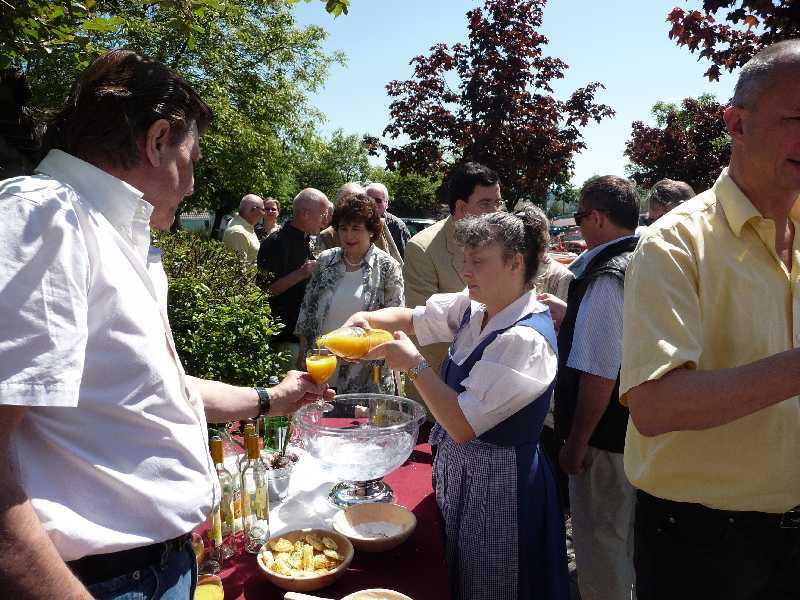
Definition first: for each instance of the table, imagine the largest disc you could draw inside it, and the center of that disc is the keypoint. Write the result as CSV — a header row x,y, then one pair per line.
x,y
416,568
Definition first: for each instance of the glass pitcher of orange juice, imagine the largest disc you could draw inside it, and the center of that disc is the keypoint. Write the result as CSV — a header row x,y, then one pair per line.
x,y
353,343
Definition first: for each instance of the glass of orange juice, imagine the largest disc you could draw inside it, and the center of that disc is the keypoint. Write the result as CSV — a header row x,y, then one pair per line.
x,y
320,364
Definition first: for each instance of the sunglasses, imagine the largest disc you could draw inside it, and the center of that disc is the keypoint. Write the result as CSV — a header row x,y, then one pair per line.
x,y
582,214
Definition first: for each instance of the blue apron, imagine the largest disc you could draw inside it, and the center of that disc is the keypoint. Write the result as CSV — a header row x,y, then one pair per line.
x,y
541,551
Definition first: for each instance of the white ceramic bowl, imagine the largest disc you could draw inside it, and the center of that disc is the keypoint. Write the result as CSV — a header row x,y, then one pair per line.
x,y
348,521
376,594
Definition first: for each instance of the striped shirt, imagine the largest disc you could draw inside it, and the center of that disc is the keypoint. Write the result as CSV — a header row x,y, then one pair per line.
x,y
597,341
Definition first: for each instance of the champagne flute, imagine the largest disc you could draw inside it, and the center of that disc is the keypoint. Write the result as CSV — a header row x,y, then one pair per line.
x,y
320,364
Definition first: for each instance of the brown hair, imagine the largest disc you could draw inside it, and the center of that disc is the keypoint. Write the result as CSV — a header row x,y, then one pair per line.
x,y
525,232
615,196
670,193
115,101
358,208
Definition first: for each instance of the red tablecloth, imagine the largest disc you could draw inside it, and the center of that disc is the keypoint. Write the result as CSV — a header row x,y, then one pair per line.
x,y
416,568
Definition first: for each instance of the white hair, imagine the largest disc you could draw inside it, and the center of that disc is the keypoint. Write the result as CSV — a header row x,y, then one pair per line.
x,y
379,187
351,187
249,202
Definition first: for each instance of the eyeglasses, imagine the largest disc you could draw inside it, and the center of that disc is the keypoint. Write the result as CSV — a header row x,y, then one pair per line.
x,y
582,214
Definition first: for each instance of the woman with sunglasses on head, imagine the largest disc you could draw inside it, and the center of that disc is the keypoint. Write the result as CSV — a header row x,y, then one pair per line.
x,y
496,490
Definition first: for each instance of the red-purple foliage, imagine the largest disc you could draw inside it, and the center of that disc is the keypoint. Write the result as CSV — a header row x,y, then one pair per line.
x,y
501,110
690,144
752,24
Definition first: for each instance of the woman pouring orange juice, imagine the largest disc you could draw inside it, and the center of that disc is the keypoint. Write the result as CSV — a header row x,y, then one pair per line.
x,y
503,524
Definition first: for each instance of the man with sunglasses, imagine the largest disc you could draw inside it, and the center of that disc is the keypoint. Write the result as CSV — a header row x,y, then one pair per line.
x,y
240,235
588,416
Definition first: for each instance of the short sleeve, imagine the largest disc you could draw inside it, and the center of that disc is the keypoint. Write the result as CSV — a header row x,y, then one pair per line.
x,y
597,341
439,319
662,328
44,282
514,370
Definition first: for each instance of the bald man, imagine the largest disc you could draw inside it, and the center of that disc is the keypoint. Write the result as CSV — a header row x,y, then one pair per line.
x,y
285,263
240,235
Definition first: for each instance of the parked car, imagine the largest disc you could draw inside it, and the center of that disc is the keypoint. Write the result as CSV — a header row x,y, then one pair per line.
x,y
417,225
570,240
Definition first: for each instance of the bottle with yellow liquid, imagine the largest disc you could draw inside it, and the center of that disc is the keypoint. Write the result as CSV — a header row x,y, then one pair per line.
x,y
226,506
255,498
353,343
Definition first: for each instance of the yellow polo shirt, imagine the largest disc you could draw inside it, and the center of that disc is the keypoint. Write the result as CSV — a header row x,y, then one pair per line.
x,y
706,289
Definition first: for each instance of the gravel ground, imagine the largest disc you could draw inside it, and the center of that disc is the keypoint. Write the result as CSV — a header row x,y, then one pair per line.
x,y
573,574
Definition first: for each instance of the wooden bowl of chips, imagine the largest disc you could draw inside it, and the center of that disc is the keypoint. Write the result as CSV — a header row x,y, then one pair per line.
x,y
305,560
376,527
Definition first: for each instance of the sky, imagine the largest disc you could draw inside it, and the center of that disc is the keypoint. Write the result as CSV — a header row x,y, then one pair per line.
x,y
621,43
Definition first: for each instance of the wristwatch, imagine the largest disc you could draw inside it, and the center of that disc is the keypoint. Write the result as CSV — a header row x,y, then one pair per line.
x,y
413,372
263,401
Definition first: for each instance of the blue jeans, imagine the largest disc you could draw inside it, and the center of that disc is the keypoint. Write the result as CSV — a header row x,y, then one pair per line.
x,y
175,580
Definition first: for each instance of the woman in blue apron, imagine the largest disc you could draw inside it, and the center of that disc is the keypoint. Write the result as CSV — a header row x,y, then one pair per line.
x,y
503,524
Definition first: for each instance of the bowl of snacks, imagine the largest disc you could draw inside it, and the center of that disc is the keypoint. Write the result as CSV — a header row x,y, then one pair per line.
x,y
375,527
305,560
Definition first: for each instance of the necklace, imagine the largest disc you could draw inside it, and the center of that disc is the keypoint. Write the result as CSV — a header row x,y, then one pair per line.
x,y
348,263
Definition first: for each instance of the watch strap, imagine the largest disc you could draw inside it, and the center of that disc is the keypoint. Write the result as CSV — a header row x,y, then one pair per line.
x,y
263,401
414,372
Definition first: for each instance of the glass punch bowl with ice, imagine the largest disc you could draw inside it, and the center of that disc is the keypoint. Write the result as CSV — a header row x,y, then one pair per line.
x,y
358,439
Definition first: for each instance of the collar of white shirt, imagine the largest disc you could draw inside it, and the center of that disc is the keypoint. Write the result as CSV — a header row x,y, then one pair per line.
x,y
524,305
119,202
579,265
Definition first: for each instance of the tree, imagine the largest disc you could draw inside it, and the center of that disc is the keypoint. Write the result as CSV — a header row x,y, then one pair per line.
x,y
751,25
327,165
247,59
501,111
412,194
689,143
32,28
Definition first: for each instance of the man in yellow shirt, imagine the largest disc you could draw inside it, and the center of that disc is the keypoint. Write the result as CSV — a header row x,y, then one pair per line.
x,y
711,363
240,235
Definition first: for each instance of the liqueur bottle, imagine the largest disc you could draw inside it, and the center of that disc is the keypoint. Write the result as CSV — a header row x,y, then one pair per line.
x,y
353,343
229,492
255,498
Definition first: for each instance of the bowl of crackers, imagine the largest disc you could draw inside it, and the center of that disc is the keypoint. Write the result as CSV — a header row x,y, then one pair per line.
x,y
305,560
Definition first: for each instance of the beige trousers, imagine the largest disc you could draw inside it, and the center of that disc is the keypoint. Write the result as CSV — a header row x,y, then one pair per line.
x,y
602,502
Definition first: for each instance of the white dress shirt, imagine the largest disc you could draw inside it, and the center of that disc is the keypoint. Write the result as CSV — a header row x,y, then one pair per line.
x,y
113,449
514,370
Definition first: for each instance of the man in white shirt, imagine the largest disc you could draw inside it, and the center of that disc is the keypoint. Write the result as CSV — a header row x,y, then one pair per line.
x,y
104,466
240,235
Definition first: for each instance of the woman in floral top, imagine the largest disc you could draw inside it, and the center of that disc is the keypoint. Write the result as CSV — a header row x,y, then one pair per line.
x,y
354,277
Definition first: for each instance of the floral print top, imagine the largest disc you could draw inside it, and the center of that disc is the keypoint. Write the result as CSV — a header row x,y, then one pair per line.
x,y
383,287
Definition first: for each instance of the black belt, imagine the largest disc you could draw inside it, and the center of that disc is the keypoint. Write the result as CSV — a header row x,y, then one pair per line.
x,y
102,567
687,510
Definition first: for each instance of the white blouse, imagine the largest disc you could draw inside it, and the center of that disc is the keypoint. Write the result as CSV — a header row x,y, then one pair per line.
x,y
515,369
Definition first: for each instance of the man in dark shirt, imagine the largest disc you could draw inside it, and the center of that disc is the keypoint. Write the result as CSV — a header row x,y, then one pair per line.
x,y
285,263
398,229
